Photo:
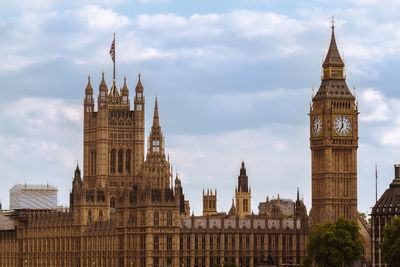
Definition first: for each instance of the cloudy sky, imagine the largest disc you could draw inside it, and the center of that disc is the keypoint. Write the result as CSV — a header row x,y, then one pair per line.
x,y
233,77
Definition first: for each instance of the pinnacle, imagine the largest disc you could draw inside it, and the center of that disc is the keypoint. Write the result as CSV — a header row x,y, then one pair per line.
x,y
333,57
156,121
89,88
103,84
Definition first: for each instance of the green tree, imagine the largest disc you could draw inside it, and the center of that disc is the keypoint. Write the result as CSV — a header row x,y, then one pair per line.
x,y
390,245
335,244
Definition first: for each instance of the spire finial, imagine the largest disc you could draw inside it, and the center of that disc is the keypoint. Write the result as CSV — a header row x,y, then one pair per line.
x,y
333,22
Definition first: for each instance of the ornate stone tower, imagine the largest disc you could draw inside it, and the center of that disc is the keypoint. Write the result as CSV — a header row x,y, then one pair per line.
x,y
333,143
209,202
243,194
113,145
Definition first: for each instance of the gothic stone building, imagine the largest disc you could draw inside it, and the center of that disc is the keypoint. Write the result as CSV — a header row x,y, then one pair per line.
x,y
127,210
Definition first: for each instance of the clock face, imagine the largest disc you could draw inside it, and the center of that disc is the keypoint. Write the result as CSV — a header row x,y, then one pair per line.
x,y
317,126
342,125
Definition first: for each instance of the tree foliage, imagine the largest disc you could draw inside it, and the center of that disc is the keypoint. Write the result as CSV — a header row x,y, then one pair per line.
x,y
390,245
335,244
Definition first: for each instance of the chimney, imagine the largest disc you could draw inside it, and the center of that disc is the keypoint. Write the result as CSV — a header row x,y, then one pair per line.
x,y
397,171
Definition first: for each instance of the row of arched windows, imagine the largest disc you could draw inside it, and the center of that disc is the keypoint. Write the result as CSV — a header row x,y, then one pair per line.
x,y
117,159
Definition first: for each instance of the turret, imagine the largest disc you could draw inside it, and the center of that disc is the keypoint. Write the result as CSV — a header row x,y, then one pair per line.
x,y
103,91
139,110
88,102
125,93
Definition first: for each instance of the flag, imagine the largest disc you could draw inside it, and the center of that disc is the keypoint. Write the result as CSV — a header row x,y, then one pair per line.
x,y
112,51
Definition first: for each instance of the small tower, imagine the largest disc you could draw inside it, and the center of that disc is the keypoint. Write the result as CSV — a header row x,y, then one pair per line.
x,y
243,194
209,202
156,167
125,94
88,102
103,92
139,109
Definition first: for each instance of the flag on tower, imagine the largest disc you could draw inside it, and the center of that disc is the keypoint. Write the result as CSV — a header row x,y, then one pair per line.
x,y
112,51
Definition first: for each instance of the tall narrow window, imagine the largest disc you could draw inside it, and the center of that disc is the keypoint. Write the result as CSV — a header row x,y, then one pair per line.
x,y
128,161
169,218
112,161
112,202
156,218
120,161
100,215
155,242
90,216
169,242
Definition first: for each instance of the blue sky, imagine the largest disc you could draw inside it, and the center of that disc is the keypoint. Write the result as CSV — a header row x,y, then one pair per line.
x,y
233,78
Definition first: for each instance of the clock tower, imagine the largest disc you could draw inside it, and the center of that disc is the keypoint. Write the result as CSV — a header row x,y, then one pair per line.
x,y
333,143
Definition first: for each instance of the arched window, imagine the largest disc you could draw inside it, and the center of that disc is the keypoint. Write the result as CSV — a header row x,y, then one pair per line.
x,y
90,216
156,218
128,161
120,161
100,215
112,202
169,218
112,161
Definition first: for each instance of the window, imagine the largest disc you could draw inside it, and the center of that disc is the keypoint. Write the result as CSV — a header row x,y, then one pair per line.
x,y
120,161
142,243
90,216
102,94
100,215
155,242
196,243
156,218
88,109
181,243
124,99
155,262
128,161
138,107
169,242
112,161
112,202
88,97
169,218
188,243
139,96
156,145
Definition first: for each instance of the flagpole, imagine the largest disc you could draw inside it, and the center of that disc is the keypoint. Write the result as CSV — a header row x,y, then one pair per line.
x,y
114,56
376,183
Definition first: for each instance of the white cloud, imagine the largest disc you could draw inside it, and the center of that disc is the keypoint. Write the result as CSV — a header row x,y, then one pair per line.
x,y
42,113
391,137
98,18
373,106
